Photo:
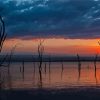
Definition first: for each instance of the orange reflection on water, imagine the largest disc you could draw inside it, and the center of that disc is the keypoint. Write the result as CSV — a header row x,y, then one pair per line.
x,y
56,77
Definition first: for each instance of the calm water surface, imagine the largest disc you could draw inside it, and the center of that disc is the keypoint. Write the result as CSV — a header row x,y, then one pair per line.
x,y
54,75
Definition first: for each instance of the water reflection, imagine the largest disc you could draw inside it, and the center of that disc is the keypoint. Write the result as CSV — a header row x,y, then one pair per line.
x,y
79,70
57,74
40,78
23,66
49,71
95,71
9,79
62,68
34,72
45,68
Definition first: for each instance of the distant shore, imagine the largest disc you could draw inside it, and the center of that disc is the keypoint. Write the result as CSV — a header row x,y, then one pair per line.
x,y
46,58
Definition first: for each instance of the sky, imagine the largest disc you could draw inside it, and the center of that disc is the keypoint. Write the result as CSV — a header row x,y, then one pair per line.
x,y
68,26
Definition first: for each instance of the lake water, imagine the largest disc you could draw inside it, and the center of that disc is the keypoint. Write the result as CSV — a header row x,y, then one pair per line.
x,y
52,75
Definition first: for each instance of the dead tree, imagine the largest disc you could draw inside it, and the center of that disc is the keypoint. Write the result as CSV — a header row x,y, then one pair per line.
x,y
40,58
34,67
10,58
3,36
40,54
95,66
79,66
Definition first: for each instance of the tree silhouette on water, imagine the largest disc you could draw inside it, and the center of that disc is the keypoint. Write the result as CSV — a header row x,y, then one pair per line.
x,y
10,58
3,36
49,68
62,69
40,58
79,66
95,66
23,69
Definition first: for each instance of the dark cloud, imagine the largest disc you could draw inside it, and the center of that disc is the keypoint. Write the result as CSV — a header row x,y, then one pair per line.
x,y
51,18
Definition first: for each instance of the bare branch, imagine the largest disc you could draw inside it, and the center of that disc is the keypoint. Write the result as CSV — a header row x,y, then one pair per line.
x,y
3,35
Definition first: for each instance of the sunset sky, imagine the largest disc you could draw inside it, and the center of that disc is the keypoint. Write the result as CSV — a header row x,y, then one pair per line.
x,y
66,26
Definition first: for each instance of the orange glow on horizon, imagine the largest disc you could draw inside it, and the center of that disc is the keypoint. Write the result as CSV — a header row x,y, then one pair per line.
x,y
53,45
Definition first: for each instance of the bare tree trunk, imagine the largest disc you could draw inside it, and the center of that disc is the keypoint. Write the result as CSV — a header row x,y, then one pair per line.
x,y
2,40
95,67
40,58
79,67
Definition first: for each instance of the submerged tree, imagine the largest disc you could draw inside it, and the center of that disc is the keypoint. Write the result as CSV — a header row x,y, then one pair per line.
x,y
40,54
2,40
95,66
3,36
2,33
79,66
40,58
10,57
49,60
23,69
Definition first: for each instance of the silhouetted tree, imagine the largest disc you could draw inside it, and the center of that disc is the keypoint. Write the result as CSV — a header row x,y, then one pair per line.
x,y
10,58
40,54
2,40
40,58
2,33
95,66
79,66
